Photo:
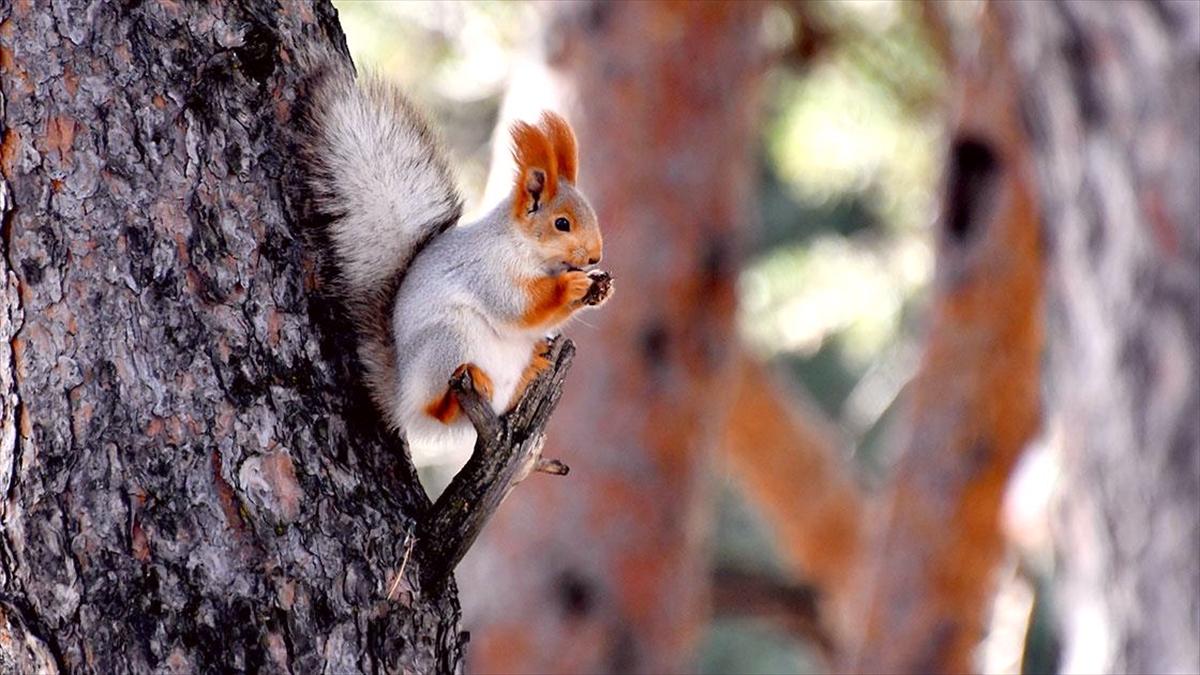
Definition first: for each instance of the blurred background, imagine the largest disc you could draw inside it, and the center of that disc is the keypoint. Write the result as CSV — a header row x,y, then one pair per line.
x,y
816,430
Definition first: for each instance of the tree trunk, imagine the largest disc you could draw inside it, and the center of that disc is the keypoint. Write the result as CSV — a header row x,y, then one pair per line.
x,y
192,480
606,570
1112,100
974,402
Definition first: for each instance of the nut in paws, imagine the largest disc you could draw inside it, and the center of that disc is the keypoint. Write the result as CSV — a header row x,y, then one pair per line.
x,y
601,288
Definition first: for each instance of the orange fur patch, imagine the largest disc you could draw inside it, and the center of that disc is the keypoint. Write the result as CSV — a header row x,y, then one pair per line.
x,y
537,363
562,139
483,383
553,299
444,408
532,152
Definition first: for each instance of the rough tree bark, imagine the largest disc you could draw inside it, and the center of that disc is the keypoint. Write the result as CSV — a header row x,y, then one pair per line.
x,y
192,480
1111,95
974,402
663,97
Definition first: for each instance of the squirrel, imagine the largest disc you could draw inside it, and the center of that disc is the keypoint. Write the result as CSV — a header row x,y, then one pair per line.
x,y
427,295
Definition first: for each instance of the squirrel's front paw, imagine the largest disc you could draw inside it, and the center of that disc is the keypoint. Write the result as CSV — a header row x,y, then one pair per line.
x,y
600,289
576,285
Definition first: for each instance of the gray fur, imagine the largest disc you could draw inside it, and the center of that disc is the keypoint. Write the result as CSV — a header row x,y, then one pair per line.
x,y
374,165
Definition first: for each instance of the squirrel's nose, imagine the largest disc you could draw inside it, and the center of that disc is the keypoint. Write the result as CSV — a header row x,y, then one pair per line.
x,y
593,261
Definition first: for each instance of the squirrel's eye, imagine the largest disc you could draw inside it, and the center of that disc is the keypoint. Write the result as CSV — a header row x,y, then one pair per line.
x,y
562,225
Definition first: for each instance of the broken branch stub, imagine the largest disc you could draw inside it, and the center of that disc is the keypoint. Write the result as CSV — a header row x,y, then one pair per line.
x,y
507,449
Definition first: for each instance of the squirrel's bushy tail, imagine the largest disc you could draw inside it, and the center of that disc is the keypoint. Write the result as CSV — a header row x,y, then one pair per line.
x,y
378,179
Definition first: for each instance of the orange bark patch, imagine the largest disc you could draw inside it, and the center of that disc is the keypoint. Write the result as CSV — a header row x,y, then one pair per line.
x,y
18,353
618,506
227,497
60,135
274,323
139,543
640,573
9,147
70,81
505,649
280,475
154,427
25,422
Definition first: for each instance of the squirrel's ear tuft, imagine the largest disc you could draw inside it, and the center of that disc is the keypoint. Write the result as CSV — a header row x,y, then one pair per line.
x,y
537,169
566,152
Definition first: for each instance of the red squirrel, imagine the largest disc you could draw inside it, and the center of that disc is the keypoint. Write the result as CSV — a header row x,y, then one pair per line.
x,y
428,295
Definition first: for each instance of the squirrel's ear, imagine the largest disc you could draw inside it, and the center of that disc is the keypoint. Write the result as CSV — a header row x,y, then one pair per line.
x,y
562,139
537,171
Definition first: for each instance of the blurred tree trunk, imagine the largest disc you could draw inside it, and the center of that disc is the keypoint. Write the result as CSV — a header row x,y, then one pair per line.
x,y
1112,100
974,402
187,486
606,570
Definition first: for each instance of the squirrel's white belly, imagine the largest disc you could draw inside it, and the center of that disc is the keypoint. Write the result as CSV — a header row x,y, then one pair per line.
x,y
503,359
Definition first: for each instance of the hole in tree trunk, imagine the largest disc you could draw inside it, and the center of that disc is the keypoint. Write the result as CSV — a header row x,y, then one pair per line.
x,y
973,170
576,594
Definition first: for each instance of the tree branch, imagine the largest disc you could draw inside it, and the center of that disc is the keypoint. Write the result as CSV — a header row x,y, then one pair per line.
x,y
790,459
794,607
506,451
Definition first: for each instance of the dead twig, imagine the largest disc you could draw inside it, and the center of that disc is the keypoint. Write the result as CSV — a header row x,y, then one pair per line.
x,y
403,564
507,450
